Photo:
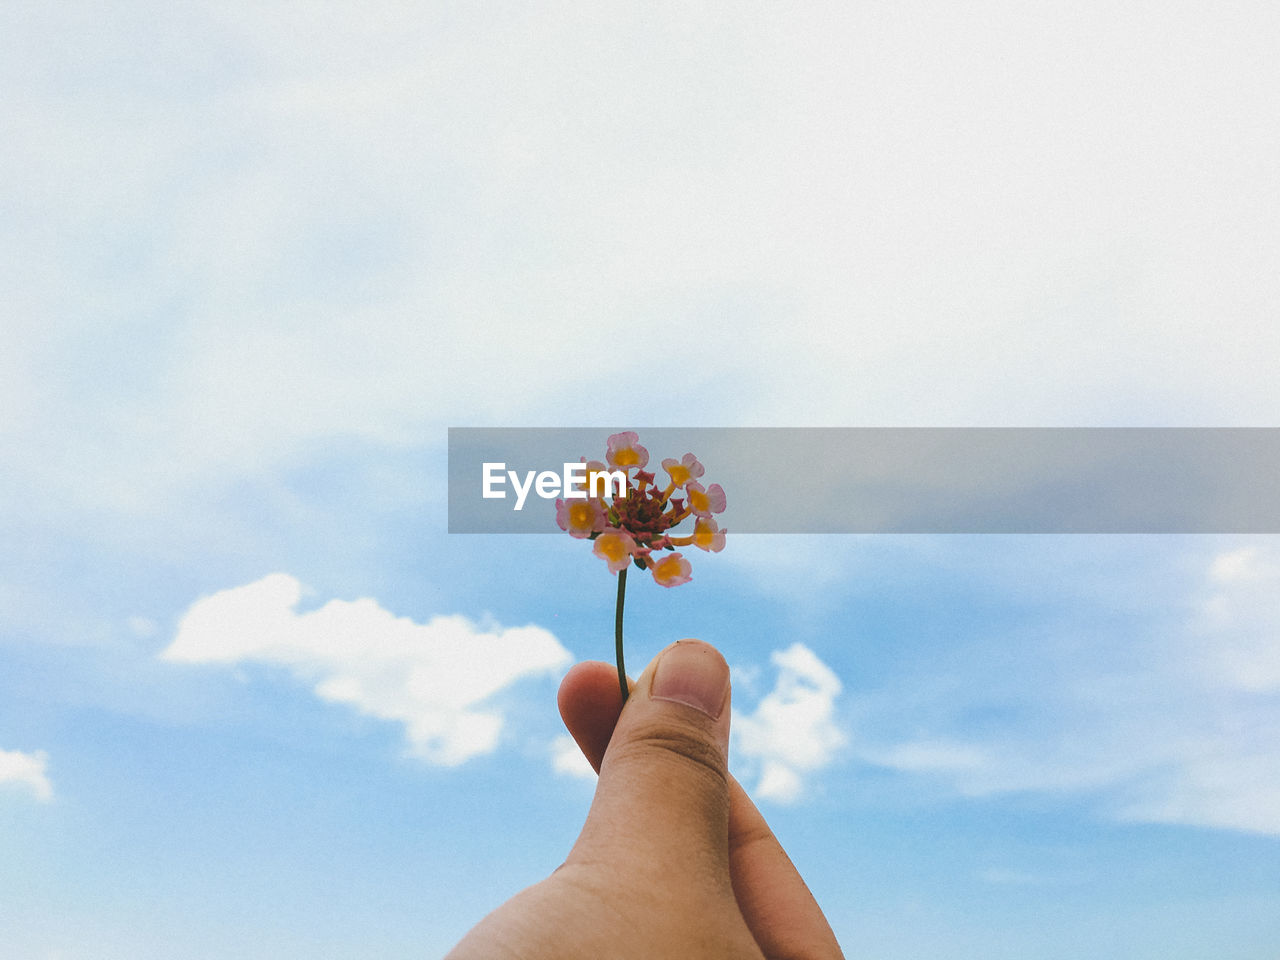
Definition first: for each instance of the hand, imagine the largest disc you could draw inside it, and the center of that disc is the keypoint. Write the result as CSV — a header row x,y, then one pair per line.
x,y
674,859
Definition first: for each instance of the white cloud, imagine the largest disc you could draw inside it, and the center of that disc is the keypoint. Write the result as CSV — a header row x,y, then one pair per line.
x,y
793,730
567,759
28,771
436,678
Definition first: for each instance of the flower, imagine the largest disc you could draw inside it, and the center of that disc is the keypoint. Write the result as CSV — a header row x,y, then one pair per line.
x,y
671,571
624,451
638,522
580,517
705,502
708,536
615,547
684,470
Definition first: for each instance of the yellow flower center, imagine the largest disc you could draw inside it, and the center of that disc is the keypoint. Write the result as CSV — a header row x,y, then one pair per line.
x,y
612,548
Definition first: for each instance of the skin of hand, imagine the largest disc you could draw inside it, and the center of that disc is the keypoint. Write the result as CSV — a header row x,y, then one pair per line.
x,y
674,859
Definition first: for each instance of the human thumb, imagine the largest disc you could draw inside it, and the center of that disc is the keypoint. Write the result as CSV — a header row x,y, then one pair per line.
x,y
662,800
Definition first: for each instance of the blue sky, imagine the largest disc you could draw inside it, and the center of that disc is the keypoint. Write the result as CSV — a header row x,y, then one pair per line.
x,y
255,259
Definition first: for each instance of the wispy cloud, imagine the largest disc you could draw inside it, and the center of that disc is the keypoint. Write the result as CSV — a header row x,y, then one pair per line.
x,y
27,771
807,570
1240,619
1225,769
436,678
1181,727
792,733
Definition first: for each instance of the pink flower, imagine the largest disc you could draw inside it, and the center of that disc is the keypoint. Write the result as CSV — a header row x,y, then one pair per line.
x,y
634,520
708,536
580,517
615,547
625,451
705,502
671,571
682,471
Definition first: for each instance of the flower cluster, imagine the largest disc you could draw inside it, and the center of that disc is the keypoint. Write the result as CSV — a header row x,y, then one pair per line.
x,y
636,524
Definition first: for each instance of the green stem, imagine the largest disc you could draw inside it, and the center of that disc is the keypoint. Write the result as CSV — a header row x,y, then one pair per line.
x,y
617,633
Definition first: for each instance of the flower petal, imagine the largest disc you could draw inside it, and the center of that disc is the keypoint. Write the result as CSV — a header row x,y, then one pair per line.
x,y
625,451
580,518
615,547
705,501
684,470
671,571
708,536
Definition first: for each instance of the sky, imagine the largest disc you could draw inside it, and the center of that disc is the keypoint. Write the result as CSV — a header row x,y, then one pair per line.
x,y
257,258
